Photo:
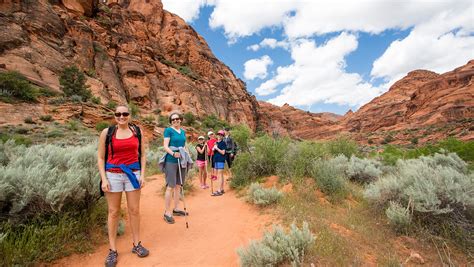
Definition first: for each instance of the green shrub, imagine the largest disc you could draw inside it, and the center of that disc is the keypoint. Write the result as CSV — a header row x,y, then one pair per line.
x,y
73,125
330,177
241,135
95,100
46,118
437,188
134,110
111,105
299,159
55,133
13,84
268,154
414,141
38,239
398,216
29,120
189,119
149,119
278,247
163,121
21,130
388,139
16,139
76,98
364,170
242,173
213,122
46,92
57,101
342,145
73,82
261,196
101,126
47,179
186,70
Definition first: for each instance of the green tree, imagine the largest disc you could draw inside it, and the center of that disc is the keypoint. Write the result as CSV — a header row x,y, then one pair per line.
x,y
73,82
13,84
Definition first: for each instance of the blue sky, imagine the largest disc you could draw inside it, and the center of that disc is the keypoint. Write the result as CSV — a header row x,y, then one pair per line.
x,y
324,56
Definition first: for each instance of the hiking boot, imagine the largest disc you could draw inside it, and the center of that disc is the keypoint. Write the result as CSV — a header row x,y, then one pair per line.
x,y
140,250
216,194
111,260
168,219
180,213
222,192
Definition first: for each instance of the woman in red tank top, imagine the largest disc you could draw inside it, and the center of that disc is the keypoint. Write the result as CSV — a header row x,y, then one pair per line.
x,y
119,172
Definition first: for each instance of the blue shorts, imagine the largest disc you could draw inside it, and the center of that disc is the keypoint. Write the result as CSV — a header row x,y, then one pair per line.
x,y
219,165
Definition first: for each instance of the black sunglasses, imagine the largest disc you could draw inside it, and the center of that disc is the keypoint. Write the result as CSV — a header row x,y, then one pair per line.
x,y
118,114
176,119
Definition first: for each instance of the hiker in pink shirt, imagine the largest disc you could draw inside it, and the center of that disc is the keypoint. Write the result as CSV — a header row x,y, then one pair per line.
x,y
210,143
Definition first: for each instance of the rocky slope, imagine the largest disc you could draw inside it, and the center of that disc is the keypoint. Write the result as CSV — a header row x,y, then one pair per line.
x,y
132,51
422,105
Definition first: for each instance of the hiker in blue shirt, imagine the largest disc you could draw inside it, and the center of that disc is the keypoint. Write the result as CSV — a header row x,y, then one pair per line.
x,y
219,161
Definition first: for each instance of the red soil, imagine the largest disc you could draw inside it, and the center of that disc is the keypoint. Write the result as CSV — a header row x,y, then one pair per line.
x,y
217,227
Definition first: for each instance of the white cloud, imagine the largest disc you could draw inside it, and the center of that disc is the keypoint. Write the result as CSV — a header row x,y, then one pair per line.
x,y
186,9
246,17
269,43
432,45
257,68
318,76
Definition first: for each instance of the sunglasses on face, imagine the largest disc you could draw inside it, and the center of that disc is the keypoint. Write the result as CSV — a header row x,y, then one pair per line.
x,y
176,119
118,114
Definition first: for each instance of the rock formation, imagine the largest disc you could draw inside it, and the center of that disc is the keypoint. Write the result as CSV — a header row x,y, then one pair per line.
x,y
134,51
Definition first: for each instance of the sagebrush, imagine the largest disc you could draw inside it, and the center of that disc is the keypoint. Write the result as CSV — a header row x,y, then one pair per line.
x,y
278,247
263,196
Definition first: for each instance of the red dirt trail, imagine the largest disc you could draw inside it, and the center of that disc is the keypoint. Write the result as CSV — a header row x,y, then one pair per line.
x,y
217,227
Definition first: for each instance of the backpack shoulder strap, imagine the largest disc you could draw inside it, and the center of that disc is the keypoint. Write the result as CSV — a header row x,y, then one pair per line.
x,y
138,133
108,141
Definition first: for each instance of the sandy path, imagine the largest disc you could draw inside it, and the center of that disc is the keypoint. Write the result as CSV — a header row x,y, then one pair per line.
x,y
217,227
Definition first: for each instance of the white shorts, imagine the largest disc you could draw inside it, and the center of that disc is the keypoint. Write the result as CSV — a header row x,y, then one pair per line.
x,y
119,182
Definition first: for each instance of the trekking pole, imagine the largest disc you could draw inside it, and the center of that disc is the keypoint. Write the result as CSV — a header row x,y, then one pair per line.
x,y
182,194
212,182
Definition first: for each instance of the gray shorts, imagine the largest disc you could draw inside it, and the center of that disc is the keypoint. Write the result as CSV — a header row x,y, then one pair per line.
x,y
172,174
119,182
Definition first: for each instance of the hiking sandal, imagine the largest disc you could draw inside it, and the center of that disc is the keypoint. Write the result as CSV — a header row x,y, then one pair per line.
x,y
140,250
168,219
180,213
111,260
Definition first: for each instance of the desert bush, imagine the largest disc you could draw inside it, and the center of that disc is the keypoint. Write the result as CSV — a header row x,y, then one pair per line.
x,y
268,153
76,98
330,177
149,119
278,247
111,105
189,119
38,239
213,122
13,84
342,145
241,134
101,125
364,170
263,196
73,125
73,82
54,133
242,173
57,101
153,156
95,100
299,159
438,190
29,120
46,118
134,109
163,121
398,216
46,179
